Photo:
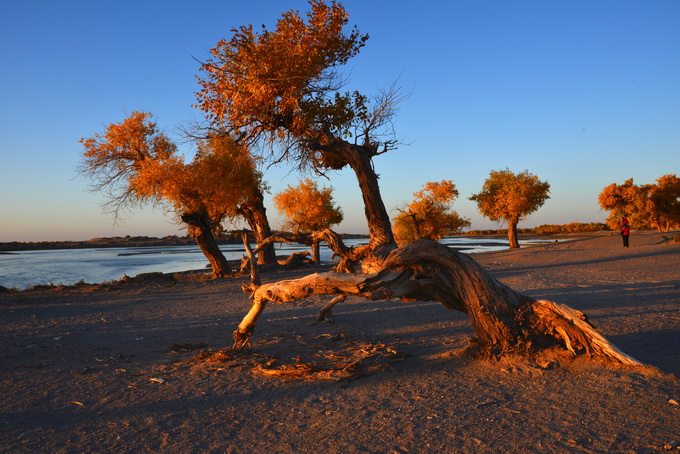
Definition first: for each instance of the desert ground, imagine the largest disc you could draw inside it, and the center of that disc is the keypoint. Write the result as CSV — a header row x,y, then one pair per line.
x,y
145,366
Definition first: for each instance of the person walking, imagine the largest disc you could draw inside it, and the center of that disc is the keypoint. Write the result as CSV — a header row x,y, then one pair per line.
x,y
625,232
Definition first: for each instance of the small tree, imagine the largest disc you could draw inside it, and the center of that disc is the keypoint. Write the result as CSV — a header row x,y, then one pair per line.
x,y
429,215
510,197
308,209
134,164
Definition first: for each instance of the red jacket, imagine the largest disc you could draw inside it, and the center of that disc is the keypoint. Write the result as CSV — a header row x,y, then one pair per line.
x,y
625,230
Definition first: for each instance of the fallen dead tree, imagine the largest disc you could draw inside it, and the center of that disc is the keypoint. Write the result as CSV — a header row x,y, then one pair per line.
x,y
506,323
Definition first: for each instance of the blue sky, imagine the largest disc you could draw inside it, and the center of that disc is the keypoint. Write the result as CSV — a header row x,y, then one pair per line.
x,y
580,93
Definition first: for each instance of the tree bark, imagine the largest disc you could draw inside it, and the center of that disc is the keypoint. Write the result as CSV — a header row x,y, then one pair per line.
x,y
200,229
512,234
255,281
316,253
381,241
334,153
349,257
255,214
505,322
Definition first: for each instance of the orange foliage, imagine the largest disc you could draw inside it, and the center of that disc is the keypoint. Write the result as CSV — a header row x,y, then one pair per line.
x,y
574,227
276,81
429,215
665,196
307,207
118,160
134,164
626,200
279,90
511,197
645,206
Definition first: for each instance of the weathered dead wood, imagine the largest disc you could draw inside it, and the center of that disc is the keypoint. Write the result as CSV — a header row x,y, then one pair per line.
x,y
350,257
248,260
506,322
262,245
325,312
255,281
295,259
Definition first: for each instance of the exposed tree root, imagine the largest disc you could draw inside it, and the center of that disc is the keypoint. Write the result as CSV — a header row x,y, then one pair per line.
x,y
349,360
354,361
506,323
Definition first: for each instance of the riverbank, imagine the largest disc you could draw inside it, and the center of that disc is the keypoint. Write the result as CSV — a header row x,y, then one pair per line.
x,y
143,366
111,242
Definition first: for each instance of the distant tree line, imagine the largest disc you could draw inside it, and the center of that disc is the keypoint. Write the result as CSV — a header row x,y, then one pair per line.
x,y
546,229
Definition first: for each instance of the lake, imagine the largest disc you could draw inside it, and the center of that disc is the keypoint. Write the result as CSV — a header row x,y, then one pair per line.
x,y
23,269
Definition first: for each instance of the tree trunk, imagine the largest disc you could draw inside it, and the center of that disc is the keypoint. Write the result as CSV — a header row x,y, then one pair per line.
x,y
330,152
506,322
200,229
512,233
255,281
379,225
416,226
256,216
316,254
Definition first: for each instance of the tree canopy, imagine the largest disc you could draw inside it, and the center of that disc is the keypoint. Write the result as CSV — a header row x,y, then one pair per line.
x,y
509,197
645,206
123,161
665,197
283,83
308,208
134,164
430,214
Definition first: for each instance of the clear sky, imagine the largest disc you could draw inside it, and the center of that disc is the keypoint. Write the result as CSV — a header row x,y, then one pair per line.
x,y
580,93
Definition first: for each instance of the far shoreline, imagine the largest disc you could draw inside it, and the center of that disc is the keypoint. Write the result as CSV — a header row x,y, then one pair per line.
x,y
121,242
174,240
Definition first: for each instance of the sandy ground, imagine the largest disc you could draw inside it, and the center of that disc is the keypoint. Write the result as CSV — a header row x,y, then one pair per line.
x,y
145,367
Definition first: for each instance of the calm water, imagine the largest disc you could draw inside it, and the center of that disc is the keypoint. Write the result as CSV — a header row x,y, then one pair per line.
x,y
69,266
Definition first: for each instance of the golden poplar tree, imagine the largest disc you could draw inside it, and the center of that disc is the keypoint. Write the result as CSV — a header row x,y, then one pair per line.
x,y
430,215
509,197
308,209
665,196
279,90
645,206
135,164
